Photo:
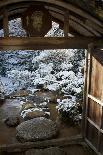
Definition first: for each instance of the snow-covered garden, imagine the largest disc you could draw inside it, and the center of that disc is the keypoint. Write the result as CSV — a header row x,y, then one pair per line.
x,y
59,71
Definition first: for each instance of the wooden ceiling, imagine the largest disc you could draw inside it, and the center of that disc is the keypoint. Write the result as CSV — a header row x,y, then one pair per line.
x,y
80,21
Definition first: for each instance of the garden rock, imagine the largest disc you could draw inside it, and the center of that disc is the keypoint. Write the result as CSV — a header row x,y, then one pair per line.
x,y
21,93
36,129
27,105
12,121
47,151
34,114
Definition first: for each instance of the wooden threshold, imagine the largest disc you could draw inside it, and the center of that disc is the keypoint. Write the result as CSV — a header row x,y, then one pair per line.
x,y
40,43
19,147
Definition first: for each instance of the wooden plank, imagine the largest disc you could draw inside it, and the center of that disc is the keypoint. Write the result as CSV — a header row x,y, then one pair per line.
x,y
96,100
95,94
97,73
90,46
5,23
89,28
36,43
19,147
96,91
91,49
95,125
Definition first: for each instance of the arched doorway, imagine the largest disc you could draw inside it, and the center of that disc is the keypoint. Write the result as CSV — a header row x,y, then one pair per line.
x,y
80,29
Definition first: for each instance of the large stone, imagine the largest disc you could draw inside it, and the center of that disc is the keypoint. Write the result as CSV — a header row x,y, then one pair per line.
x,y
36,129
47,151
12,121
34,114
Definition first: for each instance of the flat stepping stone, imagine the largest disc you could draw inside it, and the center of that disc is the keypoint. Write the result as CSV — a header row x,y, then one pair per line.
x,y
36,129
47,151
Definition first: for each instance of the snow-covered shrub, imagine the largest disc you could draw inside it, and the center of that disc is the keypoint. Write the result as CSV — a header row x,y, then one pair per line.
x,y
15,28
21,79
69,110
66,66
77,60
57,57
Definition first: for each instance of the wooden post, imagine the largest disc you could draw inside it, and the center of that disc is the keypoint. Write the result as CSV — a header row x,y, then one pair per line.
x,y
5,23
91,49
85,93
88,85
66,24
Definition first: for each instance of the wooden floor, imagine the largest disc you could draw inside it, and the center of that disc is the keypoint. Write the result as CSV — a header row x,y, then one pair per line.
x,y
72,146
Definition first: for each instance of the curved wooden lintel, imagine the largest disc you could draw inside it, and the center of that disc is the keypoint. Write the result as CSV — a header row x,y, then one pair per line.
x,y
61,4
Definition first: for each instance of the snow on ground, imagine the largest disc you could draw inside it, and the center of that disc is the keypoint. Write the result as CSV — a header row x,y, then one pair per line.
x,y
7,84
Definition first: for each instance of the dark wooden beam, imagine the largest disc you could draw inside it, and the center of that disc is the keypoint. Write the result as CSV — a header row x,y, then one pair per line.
x,y
66,24
5,23
40,43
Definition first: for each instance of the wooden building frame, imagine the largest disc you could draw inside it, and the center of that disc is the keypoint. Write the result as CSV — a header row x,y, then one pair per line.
x,y
87,33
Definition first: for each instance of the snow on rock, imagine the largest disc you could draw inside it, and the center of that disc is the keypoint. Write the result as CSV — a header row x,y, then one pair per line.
x,y
24,112
8,86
